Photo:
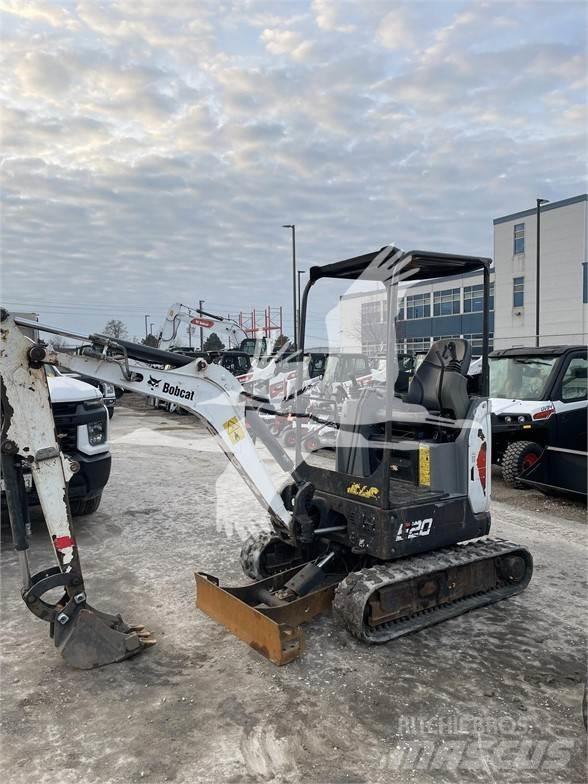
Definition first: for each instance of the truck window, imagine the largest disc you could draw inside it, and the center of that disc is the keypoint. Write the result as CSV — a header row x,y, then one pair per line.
x,y
359,366
574,383
520,378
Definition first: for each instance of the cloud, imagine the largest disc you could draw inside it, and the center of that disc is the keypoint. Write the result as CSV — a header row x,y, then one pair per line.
x,y
43,74
396,31
152,156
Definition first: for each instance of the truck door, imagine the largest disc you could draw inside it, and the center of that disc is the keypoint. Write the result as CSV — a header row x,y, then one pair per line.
x,y
570,403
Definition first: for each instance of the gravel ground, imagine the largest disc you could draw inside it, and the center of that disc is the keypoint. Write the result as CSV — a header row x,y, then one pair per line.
x,y
492,696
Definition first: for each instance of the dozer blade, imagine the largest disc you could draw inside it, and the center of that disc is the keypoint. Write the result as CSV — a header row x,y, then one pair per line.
x,y
93,639
274,631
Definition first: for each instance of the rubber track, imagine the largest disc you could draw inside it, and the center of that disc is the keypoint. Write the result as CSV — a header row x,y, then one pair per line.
x,y
353,593
251,553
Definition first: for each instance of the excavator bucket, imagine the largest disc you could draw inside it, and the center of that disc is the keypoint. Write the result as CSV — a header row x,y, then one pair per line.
x,y
94,639
256,614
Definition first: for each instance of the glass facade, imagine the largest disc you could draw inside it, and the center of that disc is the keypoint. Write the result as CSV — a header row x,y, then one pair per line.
x,y
447,303
473,298
418,306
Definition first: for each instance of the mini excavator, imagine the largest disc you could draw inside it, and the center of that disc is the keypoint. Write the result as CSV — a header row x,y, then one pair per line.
x,y
389,529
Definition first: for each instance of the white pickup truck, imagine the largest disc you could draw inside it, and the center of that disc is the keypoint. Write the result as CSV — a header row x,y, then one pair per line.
x,y
81,422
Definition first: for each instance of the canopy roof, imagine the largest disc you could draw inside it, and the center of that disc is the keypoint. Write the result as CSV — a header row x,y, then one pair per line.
x,y
390,263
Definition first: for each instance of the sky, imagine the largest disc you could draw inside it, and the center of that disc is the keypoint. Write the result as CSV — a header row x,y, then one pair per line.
x,y
152,150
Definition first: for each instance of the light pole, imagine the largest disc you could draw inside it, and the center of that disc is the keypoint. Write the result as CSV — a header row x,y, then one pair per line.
x,y
538,271
293,227
201,332
147,315
299,273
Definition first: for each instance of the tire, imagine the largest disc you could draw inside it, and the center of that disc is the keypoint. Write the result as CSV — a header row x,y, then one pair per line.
x,y
312,444
289,437
84,506
518,456
110,413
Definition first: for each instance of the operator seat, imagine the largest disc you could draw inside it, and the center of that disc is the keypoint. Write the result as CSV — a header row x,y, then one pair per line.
x,y
440,383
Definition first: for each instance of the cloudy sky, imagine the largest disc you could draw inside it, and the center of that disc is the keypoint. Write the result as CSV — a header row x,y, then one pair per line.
x,y
152,150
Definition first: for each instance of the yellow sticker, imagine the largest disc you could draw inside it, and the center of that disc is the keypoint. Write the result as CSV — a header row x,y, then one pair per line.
x,y
363,490
235,430
424,465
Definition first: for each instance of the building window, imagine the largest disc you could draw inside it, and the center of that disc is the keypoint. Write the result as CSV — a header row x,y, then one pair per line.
x,y
373,328
371,312
518,292
519,238
476,341
473,298
418,306
417,344
446,303
401,309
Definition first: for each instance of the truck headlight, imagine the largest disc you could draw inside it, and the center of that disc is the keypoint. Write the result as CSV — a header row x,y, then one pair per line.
x,y
96,432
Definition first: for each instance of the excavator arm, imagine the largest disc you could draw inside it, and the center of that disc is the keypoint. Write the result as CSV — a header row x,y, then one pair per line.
x,y
86,637
179,313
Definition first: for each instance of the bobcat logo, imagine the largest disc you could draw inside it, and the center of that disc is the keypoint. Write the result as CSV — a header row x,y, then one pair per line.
x,y
153,382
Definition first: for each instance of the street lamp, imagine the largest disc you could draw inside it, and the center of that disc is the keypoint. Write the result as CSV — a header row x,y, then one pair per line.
x,y
147,315
299,273
200,306
538,270
293,227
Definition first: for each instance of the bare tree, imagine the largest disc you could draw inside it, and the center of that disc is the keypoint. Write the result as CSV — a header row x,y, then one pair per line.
x,y
115,329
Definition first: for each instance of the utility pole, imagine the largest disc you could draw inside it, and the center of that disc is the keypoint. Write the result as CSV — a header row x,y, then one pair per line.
x,y
299,273
538,272
201,303
292,226
147,315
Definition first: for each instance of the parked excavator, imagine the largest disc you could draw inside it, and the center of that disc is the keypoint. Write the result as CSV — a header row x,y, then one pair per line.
x,y
256,346
376,531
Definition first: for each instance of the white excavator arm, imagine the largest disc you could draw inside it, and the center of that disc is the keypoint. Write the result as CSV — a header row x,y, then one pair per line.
x,y
86,637
183,314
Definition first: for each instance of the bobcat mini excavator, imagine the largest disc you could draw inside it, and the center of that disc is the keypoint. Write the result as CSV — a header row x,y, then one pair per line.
x,y
373,529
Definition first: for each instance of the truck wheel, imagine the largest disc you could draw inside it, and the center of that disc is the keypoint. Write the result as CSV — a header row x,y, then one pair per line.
x,y
517,457
289,437
80,506
110,413
312,444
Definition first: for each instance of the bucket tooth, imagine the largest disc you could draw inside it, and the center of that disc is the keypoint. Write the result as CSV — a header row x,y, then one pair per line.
x,y
93,639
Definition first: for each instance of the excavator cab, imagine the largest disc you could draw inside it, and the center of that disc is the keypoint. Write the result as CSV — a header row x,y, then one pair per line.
x,y
400,460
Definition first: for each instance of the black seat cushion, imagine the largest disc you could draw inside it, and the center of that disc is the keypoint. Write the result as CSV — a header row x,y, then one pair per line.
x,y
439,383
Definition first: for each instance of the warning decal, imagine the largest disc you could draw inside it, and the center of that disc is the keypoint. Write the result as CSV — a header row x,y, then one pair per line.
x,y
235,430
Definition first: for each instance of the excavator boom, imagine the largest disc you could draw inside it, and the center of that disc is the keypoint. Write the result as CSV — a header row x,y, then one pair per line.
x,y
86,637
